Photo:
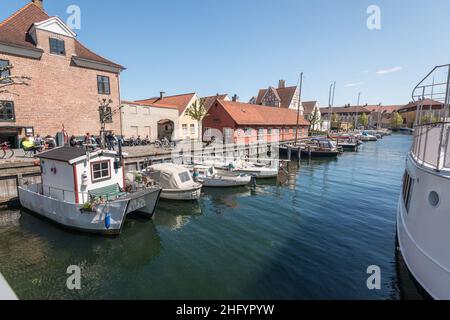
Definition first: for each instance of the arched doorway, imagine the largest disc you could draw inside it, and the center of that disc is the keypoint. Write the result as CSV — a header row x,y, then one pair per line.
x,y
165,129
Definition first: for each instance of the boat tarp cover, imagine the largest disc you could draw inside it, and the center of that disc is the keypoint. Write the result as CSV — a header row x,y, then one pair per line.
x,y
170,176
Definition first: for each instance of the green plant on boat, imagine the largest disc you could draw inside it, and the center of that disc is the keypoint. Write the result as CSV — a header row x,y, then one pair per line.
x,y
91,205
138,178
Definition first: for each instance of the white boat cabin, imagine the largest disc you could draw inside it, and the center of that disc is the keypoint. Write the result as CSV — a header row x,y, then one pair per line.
x,y
68,174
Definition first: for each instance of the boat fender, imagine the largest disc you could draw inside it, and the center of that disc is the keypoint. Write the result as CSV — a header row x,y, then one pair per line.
x,y
108,221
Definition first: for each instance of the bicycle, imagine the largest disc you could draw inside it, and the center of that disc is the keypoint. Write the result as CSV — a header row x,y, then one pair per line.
x,y
7,152
164,143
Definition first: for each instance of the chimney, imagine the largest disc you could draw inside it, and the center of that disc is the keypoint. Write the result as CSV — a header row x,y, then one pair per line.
x,y
161,95
281,84
235,98
39,3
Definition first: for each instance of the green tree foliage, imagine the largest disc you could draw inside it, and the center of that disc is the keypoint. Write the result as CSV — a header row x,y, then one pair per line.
x,y
397,120
197,112
364,120
429,118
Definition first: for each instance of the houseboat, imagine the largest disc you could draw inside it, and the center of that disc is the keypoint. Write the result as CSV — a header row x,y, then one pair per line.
x,y
423,218
86,190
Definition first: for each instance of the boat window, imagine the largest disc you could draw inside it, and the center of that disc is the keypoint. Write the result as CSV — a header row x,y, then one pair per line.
x,y
185,177
408,184
433,198
100,171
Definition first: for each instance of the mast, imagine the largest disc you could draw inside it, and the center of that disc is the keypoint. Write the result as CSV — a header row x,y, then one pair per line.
x,y
356,111
298,107
331,102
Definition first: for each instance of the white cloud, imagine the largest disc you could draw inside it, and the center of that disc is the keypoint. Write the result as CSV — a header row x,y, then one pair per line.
x,y
356,84
387,71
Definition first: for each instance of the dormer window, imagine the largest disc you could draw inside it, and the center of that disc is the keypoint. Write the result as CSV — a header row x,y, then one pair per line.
x,y
57,47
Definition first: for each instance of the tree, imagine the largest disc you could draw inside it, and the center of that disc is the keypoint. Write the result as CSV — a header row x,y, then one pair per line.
x,y
429,118
364,120
106,116
396,120
314,119
335,121
198,112
6,80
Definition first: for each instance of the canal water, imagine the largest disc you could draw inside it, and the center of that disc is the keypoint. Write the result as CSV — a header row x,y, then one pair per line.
x,y
312,237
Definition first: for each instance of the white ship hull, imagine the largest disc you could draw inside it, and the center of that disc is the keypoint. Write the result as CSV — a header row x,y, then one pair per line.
x,y
72,215
424,230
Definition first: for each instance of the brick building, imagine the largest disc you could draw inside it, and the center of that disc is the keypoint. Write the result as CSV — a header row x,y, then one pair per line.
x,y
67,79
248,123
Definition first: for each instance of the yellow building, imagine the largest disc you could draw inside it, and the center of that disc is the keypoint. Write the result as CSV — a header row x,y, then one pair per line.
x,y
155,121
187,128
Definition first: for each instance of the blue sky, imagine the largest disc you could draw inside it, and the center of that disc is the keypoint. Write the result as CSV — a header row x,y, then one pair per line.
x,y
239,46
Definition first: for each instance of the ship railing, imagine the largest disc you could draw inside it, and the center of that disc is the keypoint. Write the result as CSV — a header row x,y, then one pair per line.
x,y
430,146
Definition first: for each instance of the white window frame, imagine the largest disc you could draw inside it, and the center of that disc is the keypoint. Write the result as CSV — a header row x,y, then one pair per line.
x,y
101,170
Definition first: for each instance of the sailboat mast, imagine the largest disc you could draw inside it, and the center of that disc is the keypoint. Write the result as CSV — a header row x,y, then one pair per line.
x,y
298,107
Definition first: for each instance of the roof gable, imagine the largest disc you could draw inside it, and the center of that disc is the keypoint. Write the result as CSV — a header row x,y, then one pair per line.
x,y
54,25
285,95
17,31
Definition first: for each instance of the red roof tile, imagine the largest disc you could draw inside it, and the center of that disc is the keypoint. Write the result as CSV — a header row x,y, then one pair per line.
x,y
209,101
425,103
180,101
250,114
14,30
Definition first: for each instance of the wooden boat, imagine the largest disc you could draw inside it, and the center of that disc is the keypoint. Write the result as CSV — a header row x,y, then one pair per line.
x,y
348,146
176,181
321,148
86,191
210,177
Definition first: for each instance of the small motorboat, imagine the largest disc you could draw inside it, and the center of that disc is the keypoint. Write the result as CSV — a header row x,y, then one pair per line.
x,y
257,170
208,176
86,190
366,137
175,180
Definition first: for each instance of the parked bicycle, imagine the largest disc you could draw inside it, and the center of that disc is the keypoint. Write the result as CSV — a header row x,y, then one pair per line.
x,y
164,143
7,152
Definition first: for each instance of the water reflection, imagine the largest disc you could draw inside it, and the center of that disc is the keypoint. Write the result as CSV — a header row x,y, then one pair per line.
x,y
223,199
44,250
174,216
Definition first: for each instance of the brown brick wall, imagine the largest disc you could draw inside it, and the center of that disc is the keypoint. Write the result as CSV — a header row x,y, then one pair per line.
x,y
59,93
